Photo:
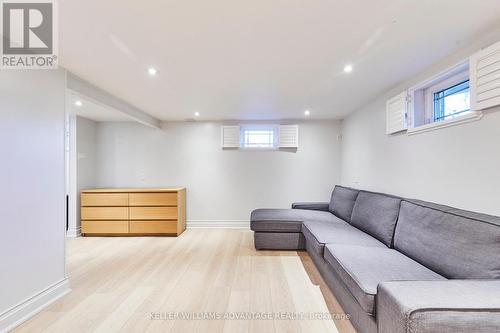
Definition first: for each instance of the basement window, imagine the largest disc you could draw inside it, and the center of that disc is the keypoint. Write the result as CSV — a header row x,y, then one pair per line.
x,y
259,136
452,102
441,101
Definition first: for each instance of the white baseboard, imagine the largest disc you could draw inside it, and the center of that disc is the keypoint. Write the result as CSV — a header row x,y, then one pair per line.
x,y
74,232
218,224
18,314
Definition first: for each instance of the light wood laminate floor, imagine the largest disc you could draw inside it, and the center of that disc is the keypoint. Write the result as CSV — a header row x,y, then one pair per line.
x,y
119,284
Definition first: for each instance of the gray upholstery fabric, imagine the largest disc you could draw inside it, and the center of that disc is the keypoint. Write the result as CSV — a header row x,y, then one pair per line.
x,y
453,306
322,206
342,202
287,220
376,214
453,243
363,268
431,242
452,321
459,212
279,241
320,233
362,322
315,216
275,220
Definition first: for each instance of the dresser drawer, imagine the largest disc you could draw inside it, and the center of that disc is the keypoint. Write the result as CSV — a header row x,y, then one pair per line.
x,y
105,227
104,199
153,199
153,213
104,213
153,227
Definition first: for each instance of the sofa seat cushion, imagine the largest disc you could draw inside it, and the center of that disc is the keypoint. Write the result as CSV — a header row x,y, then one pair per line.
x,y
362,268
276,220
319,233
315,216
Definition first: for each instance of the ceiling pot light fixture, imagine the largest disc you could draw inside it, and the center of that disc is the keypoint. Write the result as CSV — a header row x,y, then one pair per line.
x,y
348,68
152,71
307,113
78,103
196,114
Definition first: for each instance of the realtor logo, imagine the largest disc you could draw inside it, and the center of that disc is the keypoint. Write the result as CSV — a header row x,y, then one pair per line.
x,y
28,34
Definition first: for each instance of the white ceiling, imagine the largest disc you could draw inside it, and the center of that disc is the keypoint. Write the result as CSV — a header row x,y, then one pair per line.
x,y
93,110
261,59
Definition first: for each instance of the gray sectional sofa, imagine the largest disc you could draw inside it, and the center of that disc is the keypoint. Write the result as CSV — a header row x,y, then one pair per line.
x,y
394,264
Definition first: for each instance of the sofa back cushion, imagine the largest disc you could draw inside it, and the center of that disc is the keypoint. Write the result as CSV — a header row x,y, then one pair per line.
x,y
454,243
376,214
342,202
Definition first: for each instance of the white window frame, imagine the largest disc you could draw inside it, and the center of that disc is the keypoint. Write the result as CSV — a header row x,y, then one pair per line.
x,y
441,81
440,86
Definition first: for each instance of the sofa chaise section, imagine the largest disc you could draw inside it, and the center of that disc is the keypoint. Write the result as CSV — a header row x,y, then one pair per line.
x,y
275,220
277,229
281,229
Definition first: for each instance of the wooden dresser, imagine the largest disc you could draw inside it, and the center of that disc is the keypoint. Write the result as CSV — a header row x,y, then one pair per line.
x,y
133,212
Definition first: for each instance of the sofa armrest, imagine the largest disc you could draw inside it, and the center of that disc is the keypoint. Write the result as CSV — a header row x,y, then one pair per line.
x,y
323,206
439,306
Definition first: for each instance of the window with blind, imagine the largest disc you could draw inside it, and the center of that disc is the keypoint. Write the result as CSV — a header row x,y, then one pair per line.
x,y
455,96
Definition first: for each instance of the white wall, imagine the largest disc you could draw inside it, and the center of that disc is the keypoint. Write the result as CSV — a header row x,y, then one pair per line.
x,y
222,185
457,166
86,175
32,202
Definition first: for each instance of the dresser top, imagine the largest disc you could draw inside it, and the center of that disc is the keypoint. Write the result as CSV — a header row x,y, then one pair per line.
x,y
133,190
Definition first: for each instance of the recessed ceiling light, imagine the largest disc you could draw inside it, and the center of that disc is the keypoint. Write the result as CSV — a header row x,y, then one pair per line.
x,y
196,114
78,103
307,113
152,71
348,68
